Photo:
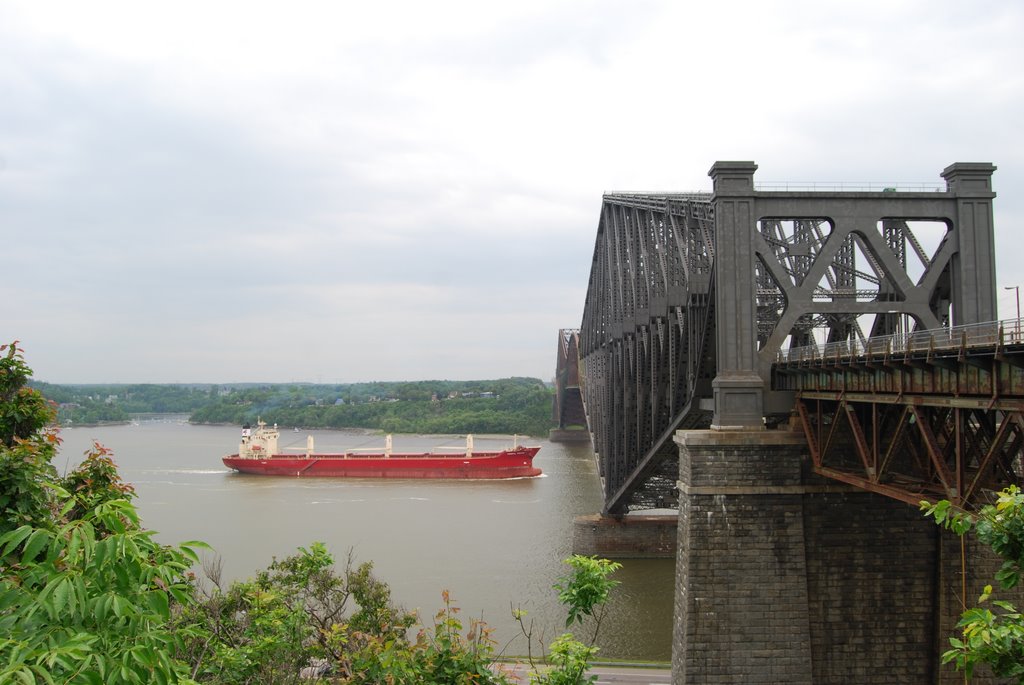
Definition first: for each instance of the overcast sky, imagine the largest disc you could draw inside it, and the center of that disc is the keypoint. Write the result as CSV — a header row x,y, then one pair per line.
x,y
351,191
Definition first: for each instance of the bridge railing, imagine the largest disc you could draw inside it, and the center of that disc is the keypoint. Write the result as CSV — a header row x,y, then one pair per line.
x,y
935,341
847,187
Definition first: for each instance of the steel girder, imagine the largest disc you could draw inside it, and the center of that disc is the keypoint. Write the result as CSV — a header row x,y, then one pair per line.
x,y
906,448
857,283
932,415
646,350
846,266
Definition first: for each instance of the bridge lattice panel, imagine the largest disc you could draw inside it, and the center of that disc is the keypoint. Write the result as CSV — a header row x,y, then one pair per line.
x,y
932,415
646,347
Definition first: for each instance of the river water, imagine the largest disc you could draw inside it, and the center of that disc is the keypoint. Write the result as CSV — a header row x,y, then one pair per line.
x,y
491,544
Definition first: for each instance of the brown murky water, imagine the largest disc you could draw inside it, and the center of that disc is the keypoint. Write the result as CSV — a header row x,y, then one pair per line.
x,y
492,544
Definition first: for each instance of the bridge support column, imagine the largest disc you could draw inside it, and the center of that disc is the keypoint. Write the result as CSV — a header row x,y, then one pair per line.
x,y
738,388
974,279
741,613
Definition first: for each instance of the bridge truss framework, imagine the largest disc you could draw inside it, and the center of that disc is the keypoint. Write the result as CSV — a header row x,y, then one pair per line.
x,y
931,415
693,295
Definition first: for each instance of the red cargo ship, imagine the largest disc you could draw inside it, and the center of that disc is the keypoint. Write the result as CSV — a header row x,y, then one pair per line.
x,y
258,454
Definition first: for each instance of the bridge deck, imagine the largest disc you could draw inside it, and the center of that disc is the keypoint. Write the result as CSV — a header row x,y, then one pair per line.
x,y
935,414
980,365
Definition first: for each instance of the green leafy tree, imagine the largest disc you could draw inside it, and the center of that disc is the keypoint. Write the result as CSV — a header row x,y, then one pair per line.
x,y
444,655
27,446
86,594
83,607
300,614
570,660
992,636
584,593
94,482
447,656
266,629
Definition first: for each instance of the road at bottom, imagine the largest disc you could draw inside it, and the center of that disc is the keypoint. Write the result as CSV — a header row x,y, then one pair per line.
x,y
606,675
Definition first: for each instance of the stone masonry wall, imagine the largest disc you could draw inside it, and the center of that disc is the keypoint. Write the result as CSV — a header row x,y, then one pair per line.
x,y
783,577
871,581
741,604
630,537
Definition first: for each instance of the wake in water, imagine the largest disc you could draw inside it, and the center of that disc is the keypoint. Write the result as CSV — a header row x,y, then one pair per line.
x,y
190,471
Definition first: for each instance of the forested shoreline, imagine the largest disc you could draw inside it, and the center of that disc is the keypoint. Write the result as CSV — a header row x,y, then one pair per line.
x,y
508,405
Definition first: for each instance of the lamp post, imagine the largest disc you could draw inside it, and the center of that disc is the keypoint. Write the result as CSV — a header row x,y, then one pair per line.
x,y
1016,327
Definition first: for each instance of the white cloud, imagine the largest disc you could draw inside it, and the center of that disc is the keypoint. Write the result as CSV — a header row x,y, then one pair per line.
x,y
169,173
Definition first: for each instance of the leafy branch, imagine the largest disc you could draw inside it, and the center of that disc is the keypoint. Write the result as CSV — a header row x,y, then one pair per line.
x,y
994,638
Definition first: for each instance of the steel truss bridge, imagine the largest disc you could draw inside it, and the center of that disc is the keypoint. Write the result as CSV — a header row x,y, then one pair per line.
x,y
747,308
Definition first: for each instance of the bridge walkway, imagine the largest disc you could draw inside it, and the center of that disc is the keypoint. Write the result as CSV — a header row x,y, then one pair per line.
x,y
930,414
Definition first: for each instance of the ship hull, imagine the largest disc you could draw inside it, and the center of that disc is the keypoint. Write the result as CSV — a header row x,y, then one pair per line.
x,y
516,463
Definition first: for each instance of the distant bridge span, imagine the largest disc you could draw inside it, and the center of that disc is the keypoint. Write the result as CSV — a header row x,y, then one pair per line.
x,y
693,296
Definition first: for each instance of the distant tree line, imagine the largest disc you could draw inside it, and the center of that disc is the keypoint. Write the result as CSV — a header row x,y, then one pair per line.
x,y
90,404
508,405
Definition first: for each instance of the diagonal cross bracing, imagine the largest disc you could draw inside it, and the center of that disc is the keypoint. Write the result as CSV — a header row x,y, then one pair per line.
x,y
666,334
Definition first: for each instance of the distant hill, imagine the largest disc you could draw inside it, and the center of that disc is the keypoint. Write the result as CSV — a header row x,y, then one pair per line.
x,y
506,405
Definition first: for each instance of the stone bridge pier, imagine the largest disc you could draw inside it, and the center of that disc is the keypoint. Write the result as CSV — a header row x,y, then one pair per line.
x,y
784,577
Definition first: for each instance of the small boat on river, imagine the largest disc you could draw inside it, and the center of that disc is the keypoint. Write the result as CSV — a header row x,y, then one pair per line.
x,y
258,454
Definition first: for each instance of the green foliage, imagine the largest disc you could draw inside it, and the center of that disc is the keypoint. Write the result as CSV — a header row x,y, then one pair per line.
x,y
299,611
96,403
255,635
376,615
507,405
86,595
90,411
264,630
994,638
83,607
444,655
586,589
570,660
27,446
584,592
515,405
1002,528
948,516
94,482
23,411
